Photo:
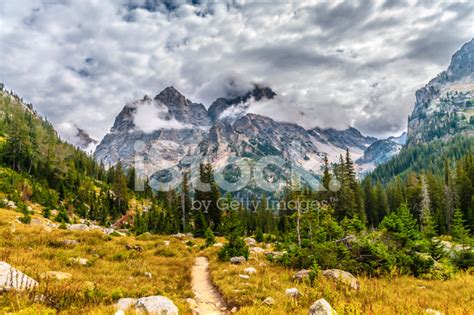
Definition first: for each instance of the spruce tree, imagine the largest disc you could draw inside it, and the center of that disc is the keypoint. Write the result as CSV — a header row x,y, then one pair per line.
x,y
458,229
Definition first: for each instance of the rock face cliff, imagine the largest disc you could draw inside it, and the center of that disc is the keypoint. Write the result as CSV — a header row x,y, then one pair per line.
x,y
170,130
165,129
445,106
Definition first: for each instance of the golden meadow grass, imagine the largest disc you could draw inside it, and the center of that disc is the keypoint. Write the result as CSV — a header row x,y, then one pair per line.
x,y
397,295
113,272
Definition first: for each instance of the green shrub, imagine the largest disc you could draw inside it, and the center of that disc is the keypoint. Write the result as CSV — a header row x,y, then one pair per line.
x,y
464,259
210,238
62,216
165,252
235,247
25,219
259,235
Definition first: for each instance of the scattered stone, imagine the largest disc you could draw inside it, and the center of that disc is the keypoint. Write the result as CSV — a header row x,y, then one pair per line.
x,y
167,243
302,274
128,247
292,292
148,275
12,279
78,227
10,204
250,270
433,312
238,260
269,301
120,312
421,287
125,303
156,305
70,242
57,275
80,261
234,309
262,264
343,276
257,250
108,231
179,235
244,277
192,303
321,307
218,245
250,241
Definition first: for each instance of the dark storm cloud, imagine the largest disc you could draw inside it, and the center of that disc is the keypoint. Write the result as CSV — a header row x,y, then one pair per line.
x,y
291,57
339,63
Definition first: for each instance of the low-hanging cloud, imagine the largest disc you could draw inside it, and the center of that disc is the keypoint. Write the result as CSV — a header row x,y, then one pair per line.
x,y
332,63
152,115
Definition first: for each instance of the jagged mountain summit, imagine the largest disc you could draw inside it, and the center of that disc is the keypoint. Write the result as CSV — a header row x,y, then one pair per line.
x,y
84,140
173,131
169,126
445,106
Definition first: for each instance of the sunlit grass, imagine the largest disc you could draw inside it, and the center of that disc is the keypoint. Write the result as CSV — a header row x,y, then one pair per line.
x,y
396,295
112,271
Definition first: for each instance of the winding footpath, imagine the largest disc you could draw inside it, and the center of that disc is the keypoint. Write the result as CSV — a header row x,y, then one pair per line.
x,y
208,298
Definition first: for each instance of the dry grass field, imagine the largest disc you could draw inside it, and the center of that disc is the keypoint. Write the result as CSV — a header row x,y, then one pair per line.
x,y
398,295
113,272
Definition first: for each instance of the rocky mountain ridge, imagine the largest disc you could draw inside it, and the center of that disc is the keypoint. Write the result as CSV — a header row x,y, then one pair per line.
x,y
223,131
445,106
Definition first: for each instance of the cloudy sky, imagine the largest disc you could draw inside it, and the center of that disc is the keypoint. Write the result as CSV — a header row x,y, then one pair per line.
x,y
333,64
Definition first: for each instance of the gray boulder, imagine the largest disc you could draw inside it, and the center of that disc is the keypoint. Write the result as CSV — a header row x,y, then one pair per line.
x,y
342,276
321,307
78,227
238,260
250,270
250,241
302,274
156,305
292,292
269,301
125,303
12,279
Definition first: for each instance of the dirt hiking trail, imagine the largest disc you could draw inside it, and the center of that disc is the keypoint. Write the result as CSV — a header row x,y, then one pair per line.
x,y
208,298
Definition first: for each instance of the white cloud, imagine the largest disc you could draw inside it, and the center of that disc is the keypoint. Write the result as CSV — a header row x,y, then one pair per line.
x,y
81,61
153,115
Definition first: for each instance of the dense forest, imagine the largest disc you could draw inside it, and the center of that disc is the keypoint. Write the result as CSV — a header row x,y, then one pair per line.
x,y
395,220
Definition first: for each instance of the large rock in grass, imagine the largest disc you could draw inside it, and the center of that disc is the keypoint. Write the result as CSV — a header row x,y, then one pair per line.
x,y
125,304
343,277
302,274
250,241
321,307
12,279
292,292
238,260
156,305
78,227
